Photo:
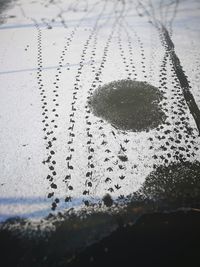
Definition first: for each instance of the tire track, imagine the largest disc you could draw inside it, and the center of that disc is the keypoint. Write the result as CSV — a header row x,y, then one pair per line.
x,y
170,48
194,110
176,137
182,145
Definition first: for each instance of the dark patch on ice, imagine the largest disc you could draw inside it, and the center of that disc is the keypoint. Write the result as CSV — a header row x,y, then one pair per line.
x,y
174,182
107,200
128,105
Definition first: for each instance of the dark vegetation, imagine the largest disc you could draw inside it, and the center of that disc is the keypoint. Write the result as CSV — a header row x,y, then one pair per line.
x,y
158,227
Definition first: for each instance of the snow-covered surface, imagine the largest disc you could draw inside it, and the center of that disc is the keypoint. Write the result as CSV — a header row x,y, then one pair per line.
x,y
51,54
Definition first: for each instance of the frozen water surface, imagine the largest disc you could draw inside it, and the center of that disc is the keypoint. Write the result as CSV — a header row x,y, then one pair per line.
x,y
55,154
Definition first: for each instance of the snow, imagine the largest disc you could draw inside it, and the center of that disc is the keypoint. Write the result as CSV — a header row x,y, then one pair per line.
x,y
50,48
